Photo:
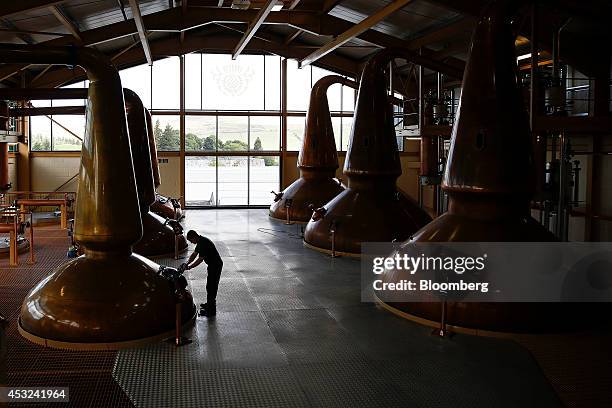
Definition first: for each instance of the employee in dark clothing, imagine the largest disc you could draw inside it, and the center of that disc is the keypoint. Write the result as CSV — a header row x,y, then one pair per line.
x,y
205,251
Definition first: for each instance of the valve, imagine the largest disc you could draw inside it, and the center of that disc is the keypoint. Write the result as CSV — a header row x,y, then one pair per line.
x,y
319,213
175,225
277,196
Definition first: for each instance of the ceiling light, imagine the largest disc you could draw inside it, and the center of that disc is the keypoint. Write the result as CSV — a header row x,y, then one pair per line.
x,y
278,6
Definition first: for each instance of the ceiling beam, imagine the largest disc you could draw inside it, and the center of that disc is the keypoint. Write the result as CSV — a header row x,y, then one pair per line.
x,y
196,43
354,31
292,36
328,5
197,17
294,4
66,22
253,27
462,26
31,94
15,7
141,30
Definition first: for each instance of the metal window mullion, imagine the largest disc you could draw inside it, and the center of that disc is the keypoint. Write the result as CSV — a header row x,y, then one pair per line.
x,y
248,161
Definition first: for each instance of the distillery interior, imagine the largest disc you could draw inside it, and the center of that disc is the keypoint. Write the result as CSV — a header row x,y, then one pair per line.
x,y
188,189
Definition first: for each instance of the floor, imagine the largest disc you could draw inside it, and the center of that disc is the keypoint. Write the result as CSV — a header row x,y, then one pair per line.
x,y
291,331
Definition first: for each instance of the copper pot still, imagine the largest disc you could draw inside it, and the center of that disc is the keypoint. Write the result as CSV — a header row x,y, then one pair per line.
x,y
371,208
109,297
166,207
489,179
317,161
158,238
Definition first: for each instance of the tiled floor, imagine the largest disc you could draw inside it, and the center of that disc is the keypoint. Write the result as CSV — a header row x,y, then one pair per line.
x,y
291,331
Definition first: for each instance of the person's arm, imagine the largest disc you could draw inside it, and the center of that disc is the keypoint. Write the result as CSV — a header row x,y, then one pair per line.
x,y
192,257
196,263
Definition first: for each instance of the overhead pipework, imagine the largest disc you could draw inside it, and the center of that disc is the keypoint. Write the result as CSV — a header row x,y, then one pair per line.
x,y
371,208
489,179
317,161
109,297
157,237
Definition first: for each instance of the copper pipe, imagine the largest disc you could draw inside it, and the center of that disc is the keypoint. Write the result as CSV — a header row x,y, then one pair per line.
x,y
371,208
317,160
107,296
157,238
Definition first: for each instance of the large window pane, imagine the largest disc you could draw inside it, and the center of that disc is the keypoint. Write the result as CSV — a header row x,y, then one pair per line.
x,y
138,79
68,132
233,180
233,133
295,132
167,83
273,82
264,178
72,102
40,130
348,99
347,127
233,84
200,133
298,86
193,81
201,181
265,133
166,129
337,126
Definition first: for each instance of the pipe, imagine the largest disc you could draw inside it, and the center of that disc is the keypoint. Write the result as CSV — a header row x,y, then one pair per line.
x,y
105,297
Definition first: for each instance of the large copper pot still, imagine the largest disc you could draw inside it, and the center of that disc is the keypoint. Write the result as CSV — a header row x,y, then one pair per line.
x,y
317,161
371,208
109,297
489,180
158,238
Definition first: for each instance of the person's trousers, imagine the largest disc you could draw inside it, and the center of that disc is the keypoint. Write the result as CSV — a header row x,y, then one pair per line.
x,y
212,284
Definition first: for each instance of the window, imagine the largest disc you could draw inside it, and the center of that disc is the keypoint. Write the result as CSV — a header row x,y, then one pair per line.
x,y
265,133
200,133
58,132
193,81
233,180
233,84
166,131
166,83
295,132
201,185
233,133
264,177
138,79
298,86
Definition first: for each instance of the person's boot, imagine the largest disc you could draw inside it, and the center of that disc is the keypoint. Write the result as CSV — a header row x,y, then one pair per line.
x,y
208,310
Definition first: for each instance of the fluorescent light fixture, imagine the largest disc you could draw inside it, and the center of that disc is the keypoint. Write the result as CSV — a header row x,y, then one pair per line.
x,y
524,56
278,6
